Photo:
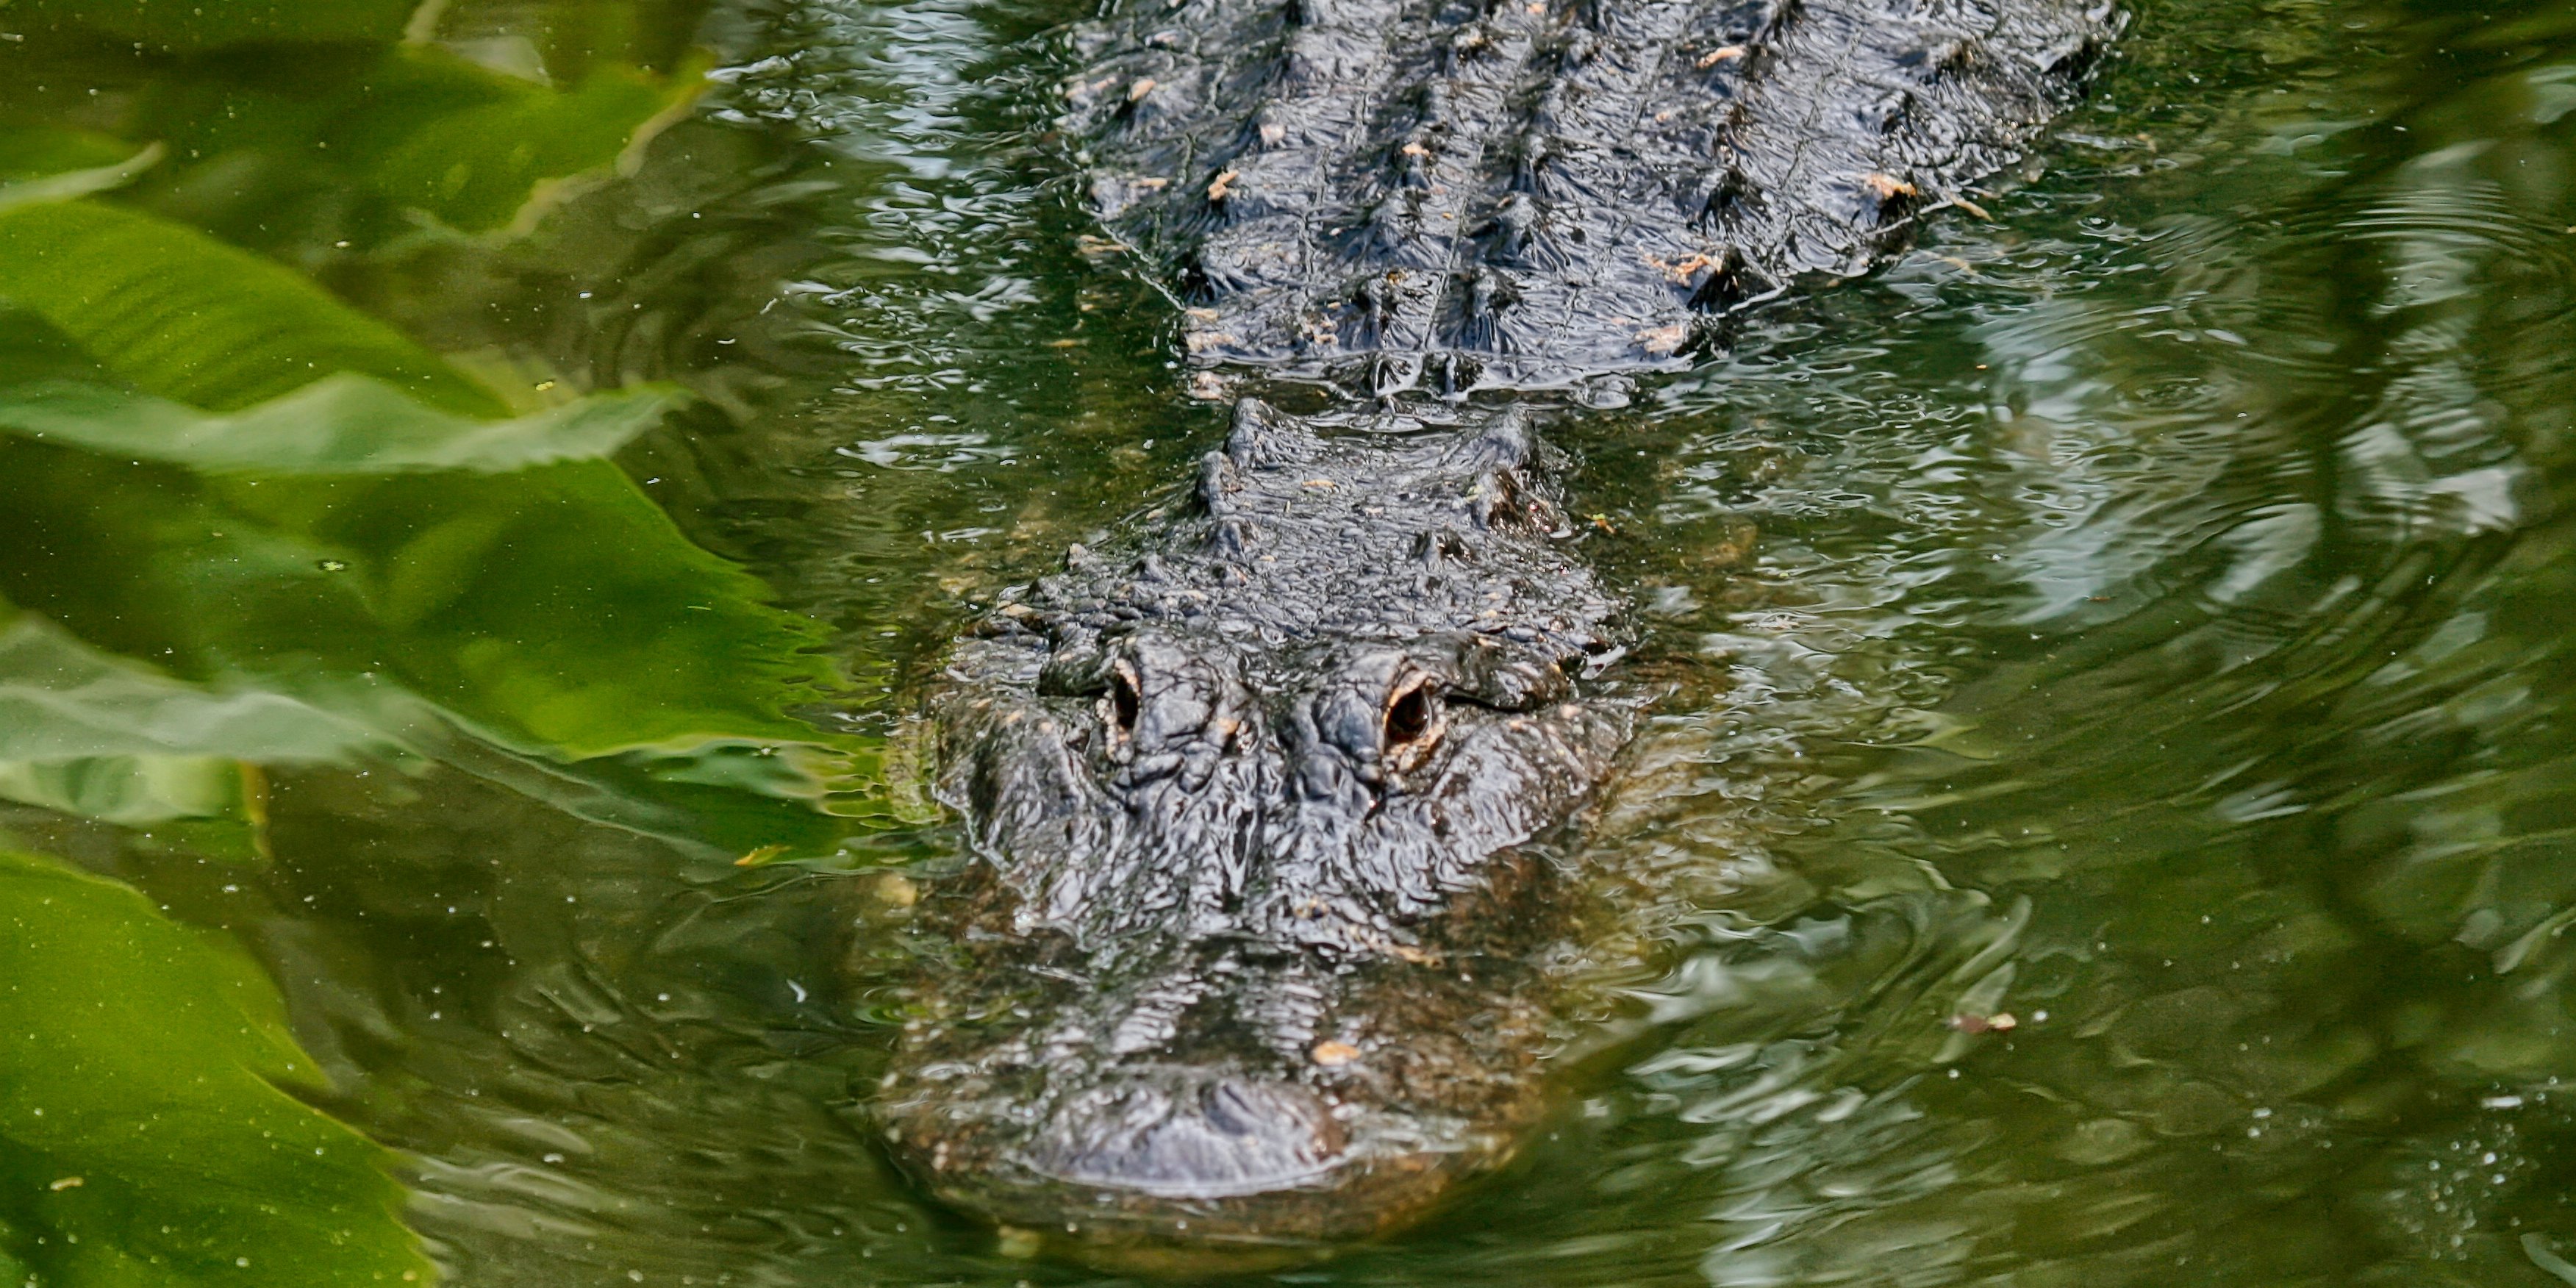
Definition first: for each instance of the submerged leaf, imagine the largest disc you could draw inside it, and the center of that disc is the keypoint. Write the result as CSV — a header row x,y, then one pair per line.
x,y
144,1137
383,142
91,734
342,424
554,609
132,790
66,185
475,169
362,552
37,151
190,25
184,316
62,701
555,606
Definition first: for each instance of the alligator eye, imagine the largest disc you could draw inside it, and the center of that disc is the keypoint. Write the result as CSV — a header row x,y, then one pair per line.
x,y
1124,700
1412,718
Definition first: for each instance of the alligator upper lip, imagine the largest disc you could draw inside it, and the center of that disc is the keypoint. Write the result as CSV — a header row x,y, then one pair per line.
x,y
1201,1138
1240,1187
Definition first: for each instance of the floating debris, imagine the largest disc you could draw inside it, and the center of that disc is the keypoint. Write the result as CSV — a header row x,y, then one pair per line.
x,y
1888,186
1999,1022
1664,340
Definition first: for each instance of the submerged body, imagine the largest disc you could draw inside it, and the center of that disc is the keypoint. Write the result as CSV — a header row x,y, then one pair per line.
x,y
1261,931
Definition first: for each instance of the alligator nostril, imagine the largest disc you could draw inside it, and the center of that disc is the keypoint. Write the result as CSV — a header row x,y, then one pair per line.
x,y
1231,1110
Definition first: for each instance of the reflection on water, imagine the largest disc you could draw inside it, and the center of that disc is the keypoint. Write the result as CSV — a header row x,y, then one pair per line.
x,y
2143,616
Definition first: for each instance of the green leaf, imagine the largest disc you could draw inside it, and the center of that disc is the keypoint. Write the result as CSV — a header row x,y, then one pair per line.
x,y
35,151
62,701
192,25
13,1272
68,185
475,169
342,424
555,609
387,142
144,1135
131,790
87,733
184,316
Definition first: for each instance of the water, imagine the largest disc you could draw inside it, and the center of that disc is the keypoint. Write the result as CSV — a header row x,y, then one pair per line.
x,y
2144,616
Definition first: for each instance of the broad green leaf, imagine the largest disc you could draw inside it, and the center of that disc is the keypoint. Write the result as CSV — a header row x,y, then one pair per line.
x,y
556,606
414,132
103,737
191,25
31,351
475,169
88,733
91,734
144,1135
13,1272
67,185
555,609
184,316
132,790
62,701
341,424
34,151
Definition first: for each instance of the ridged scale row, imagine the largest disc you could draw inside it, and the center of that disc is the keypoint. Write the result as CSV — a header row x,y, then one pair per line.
x,y
1524,192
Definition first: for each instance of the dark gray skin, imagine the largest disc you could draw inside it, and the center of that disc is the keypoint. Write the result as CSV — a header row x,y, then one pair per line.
x,y
1261,935
1521,193
1255,953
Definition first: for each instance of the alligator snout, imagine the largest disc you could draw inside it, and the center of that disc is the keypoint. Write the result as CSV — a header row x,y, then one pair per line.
x,y
1151,1158
1193,1137
1145,1162
1214,1097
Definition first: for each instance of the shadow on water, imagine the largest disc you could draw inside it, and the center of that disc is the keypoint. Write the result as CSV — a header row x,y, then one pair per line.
x,y
2111,828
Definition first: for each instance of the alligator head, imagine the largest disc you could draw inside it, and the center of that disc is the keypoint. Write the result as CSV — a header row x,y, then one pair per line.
x,y
1253,946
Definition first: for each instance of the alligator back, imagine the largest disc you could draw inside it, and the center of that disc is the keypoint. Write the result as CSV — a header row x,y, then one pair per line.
x,y
1523,192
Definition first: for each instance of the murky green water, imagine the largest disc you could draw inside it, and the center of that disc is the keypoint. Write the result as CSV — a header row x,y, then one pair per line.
x,y
2155,627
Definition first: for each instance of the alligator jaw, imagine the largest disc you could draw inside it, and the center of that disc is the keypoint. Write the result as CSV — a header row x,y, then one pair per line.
x,y
1210,1170
1209,1160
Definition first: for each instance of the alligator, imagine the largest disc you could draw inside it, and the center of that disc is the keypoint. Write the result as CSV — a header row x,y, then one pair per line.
x,y
1272,803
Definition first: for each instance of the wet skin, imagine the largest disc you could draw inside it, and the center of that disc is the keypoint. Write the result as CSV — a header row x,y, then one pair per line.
x,y
1256,948
1256,952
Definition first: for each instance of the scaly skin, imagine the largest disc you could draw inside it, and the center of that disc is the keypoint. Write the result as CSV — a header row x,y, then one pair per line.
x,y
1254,949
1261,933
1521,194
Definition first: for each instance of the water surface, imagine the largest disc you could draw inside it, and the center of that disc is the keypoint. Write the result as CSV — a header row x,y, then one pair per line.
x,y
2143,615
